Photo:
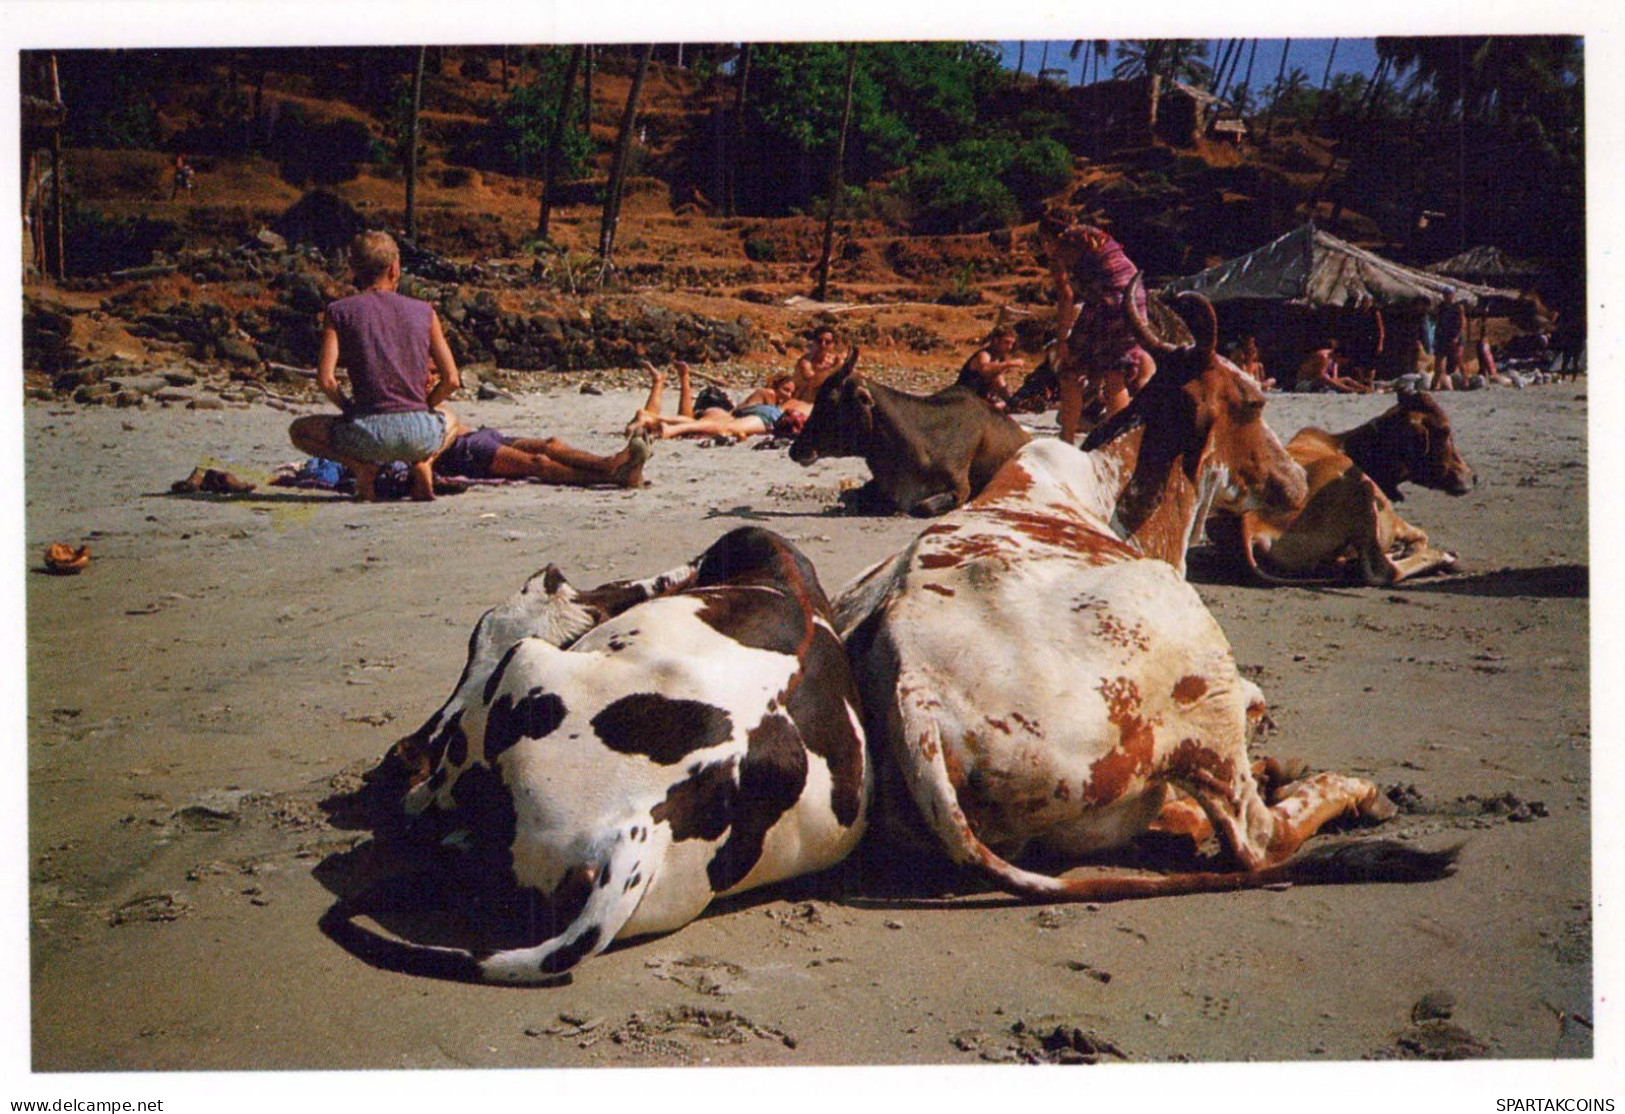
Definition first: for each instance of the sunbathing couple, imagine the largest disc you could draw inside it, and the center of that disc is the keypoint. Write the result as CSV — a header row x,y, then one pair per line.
x,y
774,409
779,409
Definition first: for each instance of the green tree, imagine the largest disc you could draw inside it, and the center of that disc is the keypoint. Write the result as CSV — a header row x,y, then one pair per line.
x,y
524,124
1169,59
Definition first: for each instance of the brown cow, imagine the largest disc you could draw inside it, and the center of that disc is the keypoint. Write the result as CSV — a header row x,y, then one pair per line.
x,y
1038,674
928,454
1349,529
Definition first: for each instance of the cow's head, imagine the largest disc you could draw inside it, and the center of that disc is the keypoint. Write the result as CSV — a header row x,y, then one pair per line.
x,y
547,607
1419,446
1203,412
842,417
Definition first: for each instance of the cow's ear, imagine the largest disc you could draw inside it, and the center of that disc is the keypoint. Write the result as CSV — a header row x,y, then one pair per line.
x,y
865,398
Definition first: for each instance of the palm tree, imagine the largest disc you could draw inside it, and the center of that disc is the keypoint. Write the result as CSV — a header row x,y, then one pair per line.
x,y
555,141
837,177
1099,50
1280,79
737,155
623,156
1169,59
412,147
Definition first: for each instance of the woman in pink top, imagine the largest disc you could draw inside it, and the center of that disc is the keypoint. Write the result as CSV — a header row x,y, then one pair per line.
x,y
1096,349
387,343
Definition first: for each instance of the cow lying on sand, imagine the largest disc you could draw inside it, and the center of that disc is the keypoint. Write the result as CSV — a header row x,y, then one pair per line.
x,y
928,454
1348,528
641,748
1038,673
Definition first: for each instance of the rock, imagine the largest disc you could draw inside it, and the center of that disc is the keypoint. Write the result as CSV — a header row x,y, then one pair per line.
x,y
1435,1005
321,220
238,350
141,384
206,404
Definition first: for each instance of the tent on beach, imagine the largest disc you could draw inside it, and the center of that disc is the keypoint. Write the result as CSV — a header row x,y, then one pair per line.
x,y
1310,267
1308,285
1487,264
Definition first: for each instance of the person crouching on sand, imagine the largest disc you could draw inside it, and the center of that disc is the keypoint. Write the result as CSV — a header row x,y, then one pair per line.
x,y
385,342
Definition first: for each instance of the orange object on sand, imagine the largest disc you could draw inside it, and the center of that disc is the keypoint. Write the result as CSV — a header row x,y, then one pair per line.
x,y
63,559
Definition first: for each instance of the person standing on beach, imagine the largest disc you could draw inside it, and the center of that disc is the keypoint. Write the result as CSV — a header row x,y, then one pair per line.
x,y
387,344
1096,349
1449,338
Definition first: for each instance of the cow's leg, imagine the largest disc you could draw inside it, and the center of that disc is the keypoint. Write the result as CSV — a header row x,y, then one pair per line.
x,y
1417,557
1258,834
1182,815
932,505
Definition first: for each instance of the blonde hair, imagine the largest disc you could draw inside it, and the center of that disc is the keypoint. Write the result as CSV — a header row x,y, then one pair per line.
x,y
371,256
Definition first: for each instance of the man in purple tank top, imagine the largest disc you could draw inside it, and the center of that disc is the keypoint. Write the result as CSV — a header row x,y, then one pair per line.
x,y
387,343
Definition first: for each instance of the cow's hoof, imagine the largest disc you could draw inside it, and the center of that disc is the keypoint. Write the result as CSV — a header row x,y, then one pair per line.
x,y
1377,808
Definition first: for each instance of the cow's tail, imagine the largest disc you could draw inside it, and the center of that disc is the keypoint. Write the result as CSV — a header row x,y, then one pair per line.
x,y
619,881
1250,547
1328,863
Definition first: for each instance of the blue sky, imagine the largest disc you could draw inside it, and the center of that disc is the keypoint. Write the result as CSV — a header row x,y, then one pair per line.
x,y
1352,56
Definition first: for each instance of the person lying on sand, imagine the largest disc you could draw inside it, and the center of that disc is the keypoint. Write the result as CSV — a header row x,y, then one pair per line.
x,y
489,454
771,409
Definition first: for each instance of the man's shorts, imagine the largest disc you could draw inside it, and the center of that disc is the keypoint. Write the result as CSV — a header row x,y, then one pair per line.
x,y
410,436
470,454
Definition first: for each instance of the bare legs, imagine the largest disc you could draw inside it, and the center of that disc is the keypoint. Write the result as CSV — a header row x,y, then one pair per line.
x,y
552,461
313,435
714,422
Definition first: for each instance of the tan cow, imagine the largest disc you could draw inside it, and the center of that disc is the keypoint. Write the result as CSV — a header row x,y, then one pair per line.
x,y
1038,673
1348,528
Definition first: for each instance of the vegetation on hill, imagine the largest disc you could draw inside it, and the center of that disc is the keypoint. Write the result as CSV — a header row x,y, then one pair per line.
x,y
727,176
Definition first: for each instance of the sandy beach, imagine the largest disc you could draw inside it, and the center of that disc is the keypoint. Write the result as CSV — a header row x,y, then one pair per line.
x,y
226,664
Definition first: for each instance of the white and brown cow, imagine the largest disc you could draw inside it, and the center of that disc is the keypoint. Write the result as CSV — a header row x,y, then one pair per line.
x,y
1038,673
644,747
1348,529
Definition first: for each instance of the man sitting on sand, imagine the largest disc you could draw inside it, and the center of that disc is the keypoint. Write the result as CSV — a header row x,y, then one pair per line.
x,y
385,341
984,371
1318,373
488,454
771,409
817,364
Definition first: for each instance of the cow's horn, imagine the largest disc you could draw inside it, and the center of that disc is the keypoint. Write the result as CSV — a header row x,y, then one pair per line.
x,y
1141,327
846,368
1207,336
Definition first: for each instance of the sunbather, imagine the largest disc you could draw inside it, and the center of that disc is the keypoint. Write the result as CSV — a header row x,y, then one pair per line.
x,y
489,454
